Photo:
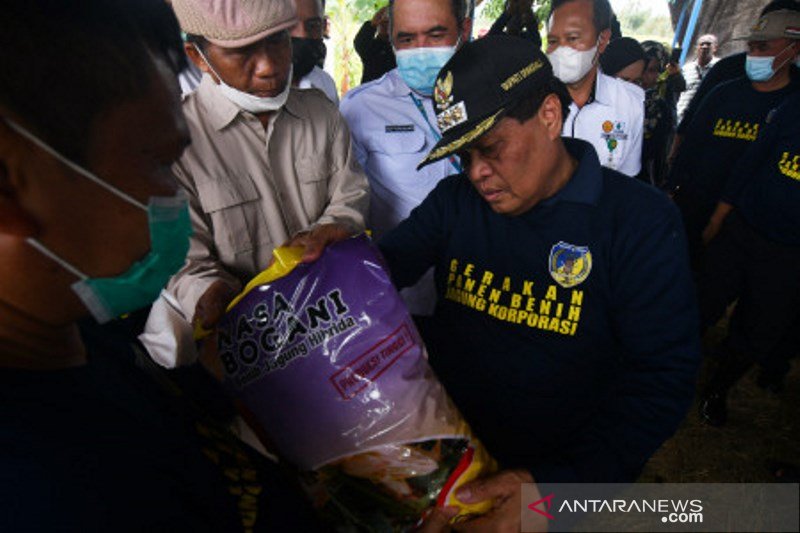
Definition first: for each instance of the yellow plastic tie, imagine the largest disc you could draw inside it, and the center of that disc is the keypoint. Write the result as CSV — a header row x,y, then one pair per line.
x,y
286,258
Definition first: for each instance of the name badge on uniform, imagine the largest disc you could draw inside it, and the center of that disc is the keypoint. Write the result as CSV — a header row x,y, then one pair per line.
x,y
399,128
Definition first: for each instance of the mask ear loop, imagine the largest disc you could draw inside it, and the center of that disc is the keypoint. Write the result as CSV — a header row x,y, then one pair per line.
x,y
35,243
208,64
774,68
56,258
74,166
205,59
596,57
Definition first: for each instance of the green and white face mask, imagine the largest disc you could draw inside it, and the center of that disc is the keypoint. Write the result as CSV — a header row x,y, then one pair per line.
x,y
140,285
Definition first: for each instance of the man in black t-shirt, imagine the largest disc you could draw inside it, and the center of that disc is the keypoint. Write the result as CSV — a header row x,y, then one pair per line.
x,y
754,233
727,69
730,118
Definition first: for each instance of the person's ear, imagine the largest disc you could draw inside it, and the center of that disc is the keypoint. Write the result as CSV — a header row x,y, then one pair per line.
x,y
551,115
15,221
605,38
194,54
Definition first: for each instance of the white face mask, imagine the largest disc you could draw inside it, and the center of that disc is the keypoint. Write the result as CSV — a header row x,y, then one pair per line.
x,y
246,101
570,65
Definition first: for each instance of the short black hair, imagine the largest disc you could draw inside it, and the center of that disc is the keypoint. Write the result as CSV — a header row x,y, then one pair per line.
x,y
776,5
65,63
620,53
601,12
459,8
527,105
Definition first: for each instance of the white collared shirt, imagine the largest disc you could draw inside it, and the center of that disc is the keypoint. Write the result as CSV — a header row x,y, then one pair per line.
x,y
319,79
189,78
613,122
390,138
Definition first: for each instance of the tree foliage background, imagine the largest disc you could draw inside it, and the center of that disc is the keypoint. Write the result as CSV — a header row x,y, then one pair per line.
x,y
493,8
346,17
638,20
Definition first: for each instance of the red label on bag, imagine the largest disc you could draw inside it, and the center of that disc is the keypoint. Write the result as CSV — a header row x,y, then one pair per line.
x,y
368,367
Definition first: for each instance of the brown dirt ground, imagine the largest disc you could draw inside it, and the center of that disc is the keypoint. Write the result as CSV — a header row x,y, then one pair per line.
x,y
761,427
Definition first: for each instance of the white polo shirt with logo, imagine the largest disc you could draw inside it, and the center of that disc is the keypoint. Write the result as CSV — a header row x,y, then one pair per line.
x,y
613,122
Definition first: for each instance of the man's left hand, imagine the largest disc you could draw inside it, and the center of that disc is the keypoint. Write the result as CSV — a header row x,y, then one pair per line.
x,y
505,489
315,241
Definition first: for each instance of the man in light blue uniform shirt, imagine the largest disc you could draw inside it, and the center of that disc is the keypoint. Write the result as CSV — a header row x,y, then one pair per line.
x,y
393,119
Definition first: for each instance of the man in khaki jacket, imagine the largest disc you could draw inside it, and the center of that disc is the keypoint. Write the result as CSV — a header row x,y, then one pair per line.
x,y
268,164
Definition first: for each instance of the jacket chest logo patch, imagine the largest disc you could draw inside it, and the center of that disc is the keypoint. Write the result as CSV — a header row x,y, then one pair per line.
x,y
569,265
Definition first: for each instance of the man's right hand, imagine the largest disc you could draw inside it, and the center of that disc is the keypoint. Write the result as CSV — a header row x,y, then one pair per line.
x,y
211,306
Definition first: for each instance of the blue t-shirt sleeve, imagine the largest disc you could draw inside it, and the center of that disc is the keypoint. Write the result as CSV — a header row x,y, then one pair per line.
x,y
655,318
415,244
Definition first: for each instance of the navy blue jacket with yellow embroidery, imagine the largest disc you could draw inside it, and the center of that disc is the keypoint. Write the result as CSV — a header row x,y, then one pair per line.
x,y
567,335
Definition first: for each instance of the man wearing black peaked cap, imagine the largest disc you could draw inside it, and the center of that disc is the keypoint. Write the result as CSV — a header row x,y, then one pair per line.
x,y
566,328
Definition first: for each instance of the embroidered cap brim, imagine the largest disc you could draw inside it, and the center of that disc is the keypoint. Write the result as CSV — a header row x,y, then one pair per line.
x,y
447,146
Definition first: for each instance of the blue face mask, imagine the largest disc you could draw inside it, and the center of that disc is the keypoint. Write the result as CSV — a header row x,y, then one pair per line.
x,y
170,229
419,66
761,68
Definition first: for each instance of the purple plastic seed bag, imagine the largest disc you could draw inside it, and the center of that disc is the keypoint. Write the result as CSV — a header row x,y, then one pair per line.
x,y
327,358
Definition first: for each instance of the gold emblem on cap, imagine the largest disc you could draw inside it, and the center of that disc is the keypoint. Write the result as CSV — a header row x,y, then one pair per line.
x,y
442,91
467,138
452,116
